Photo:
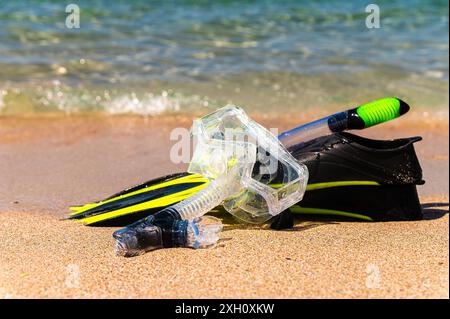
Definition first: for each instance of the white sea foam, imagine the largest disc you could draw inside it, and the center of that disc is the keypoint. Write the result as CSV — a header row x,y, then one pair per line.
x,y
154,104
2,101
59,97
150,104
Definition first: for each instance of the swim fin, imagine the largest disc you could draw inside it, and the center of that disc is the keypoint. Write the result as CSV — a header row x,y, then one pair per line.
x,y
356,177
350,176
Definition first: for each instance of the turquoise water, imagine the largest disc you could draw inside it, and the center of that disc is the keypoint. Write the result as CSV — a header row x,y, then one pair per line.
x,y
172,56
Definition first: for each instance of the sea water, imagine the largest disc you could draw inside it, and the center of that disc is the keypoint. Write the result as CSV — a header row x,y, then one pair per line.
x,y
153,57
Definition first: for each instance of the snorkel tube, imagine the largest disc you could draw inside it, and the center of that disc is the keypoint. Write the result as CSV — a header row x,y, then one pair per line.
x,y
357,118
229,145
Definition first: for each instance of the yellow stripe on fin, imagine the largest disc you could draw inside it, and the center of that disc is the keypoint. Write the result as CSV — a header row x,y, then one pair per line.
x,y
316,186
159,202
320,211
194,178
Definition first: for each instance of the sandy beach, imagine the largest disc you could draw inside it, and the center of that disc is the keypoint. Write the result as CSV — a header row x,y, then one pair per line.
x,y
90,93
50,162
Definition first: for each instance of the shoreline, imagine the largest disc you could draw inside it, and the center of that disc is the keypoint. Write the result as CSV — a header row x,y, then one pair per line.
x,y
436,121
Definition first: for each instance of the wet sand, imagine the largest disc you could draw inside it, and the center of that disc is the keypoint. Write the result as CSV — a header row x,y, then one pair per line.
x,y
51,162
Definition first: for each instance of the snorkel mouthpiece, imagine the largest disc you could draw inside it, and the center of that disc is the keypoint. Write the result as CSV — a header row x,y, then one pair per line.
x,y
153,232
132,241
166,229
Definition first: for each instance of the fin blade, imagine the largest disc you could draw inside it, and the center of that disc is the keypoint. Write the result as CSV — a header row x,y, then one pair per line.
x,y
90,209
147,205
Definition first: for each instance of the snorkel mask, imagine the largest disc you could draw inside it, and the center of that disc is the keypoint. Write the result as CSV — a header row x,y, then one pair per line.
x,y
240,158
231,144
